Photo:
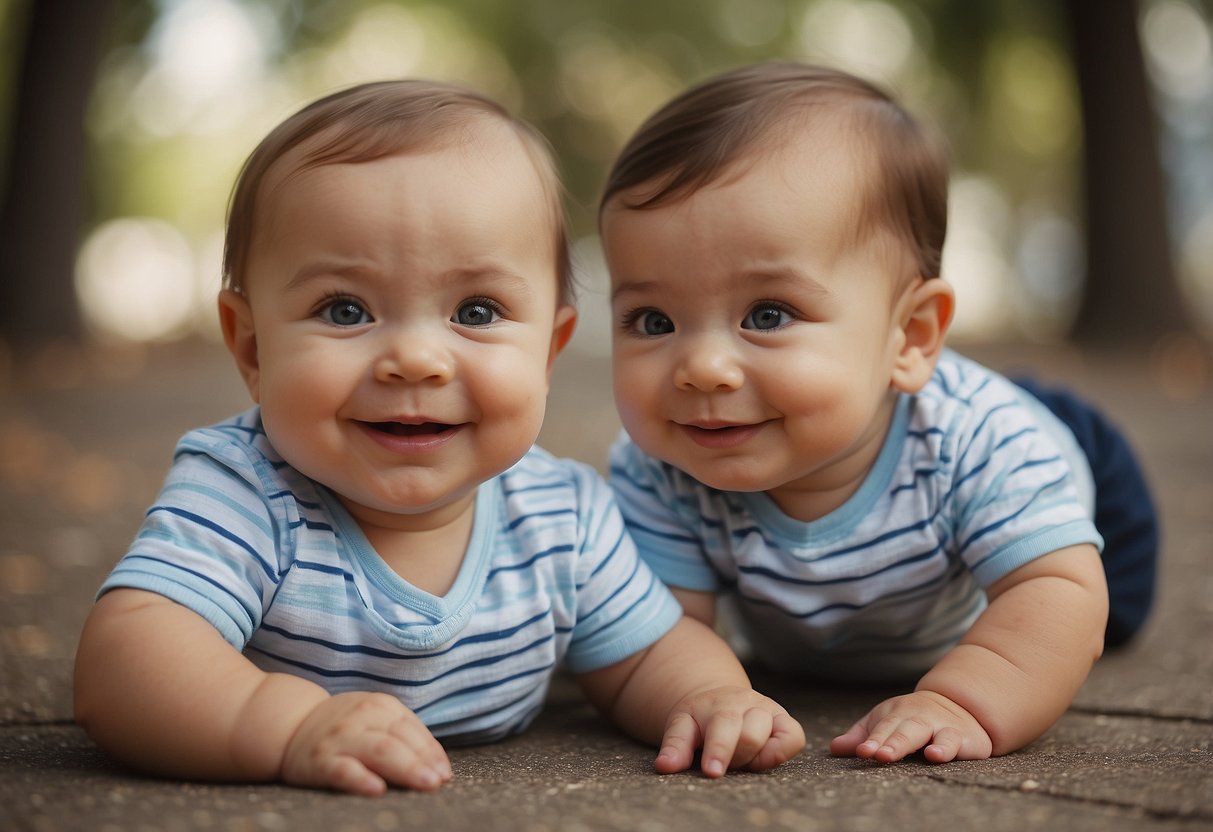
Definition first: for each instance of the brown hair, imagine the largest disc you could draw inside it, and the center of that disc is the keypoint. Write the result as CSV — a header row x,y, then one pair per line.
x,y
371,121
688,143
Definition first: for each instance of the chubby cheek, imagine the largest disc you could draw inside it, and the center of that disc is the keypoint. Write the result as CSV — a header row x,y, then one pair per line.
x,y
652,433
509,394
637,401
836,414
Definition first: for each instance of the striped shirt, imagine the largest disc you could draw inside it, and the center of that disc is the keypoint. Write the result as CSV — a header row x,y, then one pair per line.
x,y
277,565
972,482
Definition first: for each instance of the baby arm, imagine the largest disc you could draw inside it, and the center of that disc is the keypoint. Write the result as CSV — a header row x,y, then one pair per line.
x,y
159,688
698,605
688,690
1011,676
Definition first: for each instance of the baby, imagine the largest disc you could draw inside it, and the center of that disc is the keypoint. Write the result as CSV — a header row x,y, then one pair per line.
x,y
375,557
800,442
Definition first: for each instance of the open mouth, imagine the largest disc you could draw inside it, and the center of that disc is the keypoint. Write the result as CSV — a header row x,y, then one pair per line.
x,y
411,437
402,429
720,436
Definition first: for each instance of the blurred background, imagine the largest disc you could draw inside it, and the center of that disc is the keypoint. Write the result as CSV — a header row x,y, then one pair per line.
x,y
1080,242
1082,131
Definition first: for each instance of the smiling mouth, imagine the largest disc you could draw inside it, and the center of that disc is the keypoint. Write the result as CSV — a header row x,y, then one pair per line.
x,y
720,436
411,438
417,429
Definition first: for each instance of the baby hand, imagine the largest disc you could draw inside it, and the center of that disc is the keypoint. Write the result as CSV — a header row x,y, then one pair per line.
x,y
737,727
923,720
361,742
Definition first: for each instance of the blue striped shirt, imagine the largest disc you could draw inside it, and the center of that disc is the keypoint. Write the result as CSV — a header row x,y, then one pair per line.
x,y
974,480
277,565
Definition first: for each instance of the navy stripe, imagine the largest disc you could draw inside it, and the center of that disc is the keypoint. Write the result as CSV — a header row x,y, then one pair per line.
x,y
919,473
311,524
530,489
980,533
176,567
396,681
634,527
514,567
618,542
653,584
219,530
286,493
879,539
479,638
323,567
518,521
902,595
486,686
622,473
787,579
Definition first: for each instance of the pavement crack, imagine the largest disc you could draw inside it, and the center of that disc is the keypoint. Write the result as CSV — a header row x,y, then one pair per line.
x,y
1140,713
1196,813
38,723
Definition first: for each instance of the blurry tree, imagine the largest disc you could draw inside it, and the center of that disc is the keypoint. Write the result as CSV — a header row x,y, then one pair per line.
x,y
585,71
1132,293
44,202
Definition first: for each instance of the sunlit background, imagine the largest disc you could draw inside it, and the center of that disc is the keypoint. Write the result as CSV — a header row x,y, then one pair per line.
x,y
189,86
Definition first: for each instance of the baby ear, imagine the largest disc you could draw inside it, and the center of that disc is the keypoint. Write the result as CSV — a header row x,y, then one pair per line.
x,y
236,320
926,312
562,330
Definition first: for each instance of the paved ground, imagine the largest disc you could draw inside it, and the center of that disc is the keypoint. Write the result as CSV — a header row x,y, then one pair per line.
x,y
85,439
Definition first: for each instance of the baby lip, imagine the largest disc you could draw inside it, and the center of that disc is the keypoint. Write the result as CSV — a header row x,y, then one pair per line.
x,y
411,428
713,424
719,436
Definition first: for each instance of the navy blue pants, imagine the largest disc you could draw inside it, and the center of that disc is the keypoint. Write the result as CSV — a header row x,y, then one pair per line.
x,y
1124,511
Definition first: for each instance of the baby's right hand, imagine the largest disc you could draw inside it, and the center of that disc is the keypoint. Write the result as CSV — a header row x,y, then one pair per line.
x,y
360,743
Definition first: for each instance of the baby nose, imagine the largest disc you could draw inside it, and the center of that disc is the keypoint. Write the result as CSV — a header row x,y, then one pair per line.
x,y
708,367
414,357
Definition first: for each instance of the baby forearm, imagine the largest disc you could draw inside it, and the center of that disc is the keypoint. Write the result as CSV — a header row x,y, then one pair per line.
x,y
158,688
640,695
1020,665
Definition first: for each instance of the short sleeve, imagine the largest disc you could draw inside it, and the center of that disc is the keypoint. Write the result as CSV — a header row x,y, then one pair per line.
x,y
622,607
208,542
1015,496
659,518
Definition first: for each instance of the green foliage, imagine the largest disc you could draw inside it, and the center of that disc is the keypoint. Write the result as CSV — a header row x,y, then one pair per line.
x,y
586,72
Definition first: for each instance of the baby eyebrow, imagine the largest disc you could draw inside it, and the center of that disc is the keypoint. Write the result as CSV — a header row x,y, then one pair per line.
x,y
760,279
787,278
634,287
324,268
502,278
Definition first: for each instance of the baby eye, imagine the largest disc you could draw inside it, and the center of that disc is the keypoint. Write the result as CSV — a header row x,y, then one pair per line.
x,y
766,316
478,312
345,312
648,322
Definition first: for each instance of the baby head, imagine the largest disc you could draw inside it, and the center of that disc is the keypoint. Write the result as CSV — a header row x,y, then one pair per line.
x,y
396,287
774,238
708,132
372,121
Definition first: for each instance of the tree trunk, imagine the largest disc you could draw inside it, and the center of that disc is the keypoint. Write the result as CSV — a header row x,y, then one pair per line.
x,y
1132,294
44,204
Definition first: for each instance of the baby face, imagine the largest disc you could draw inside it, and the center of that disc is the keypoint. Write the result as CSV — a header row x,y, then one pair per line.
x,y
754,331
404,315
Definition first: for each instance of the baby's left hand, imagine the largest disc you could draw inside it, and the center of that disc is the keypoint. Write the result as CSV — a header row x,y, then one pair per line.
x,y
737,727
923,720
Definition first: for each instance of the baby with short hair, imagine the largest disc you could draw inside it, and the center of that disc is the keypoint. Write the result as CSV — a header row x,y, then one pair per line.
x,y
800,441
